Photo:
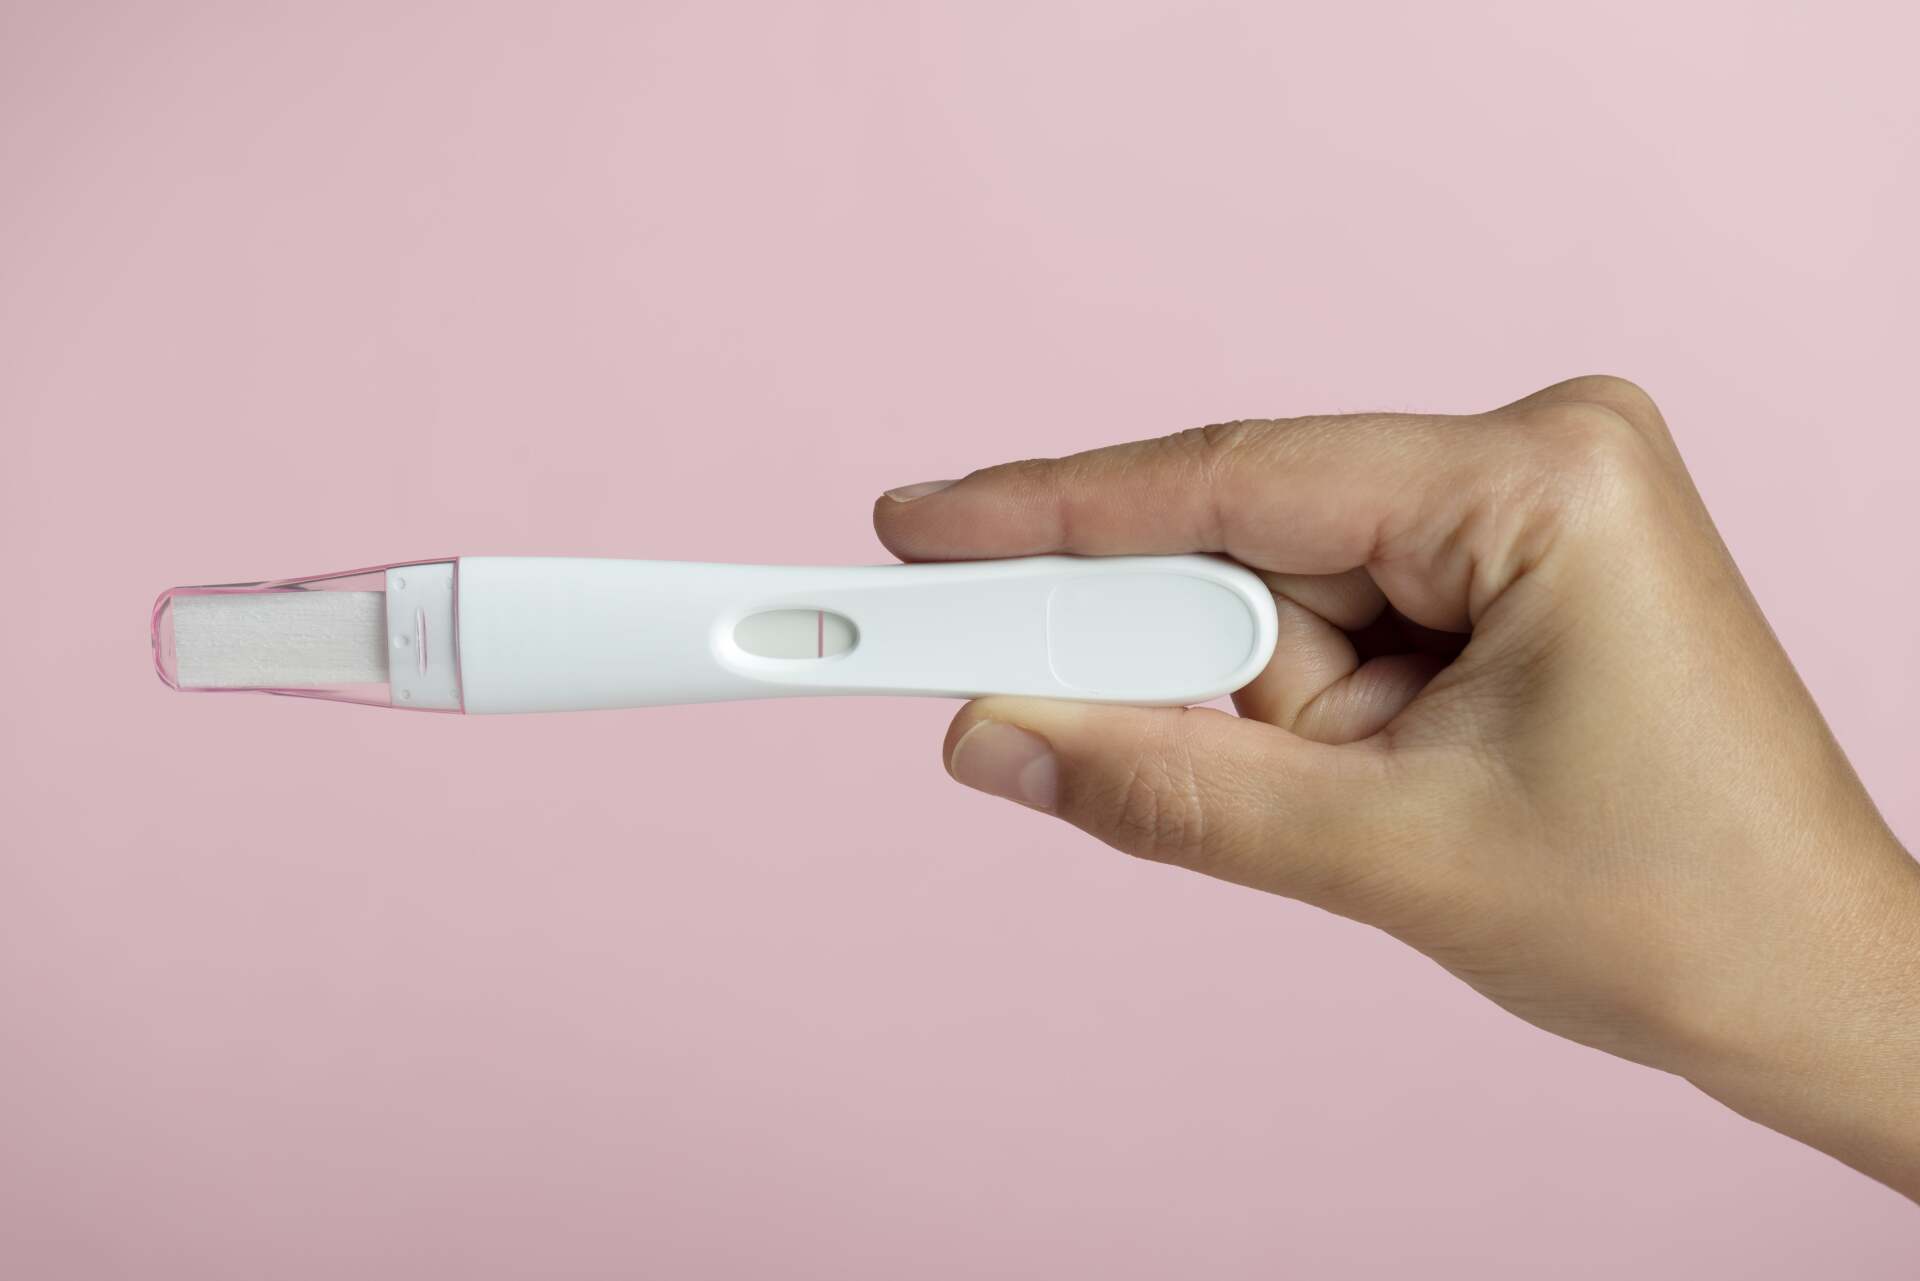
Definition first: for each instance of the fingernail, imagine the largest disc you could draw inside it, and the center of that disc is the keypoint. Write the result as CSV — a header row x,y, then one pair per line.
x,y
907,493
1007,761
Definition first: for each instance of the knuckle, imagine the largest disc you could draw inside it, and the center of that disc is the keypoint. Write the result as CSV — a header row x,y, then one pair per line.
x,y
1608,388
1217,438
1035,482
1029,473
1157,811
1212,447
1621,395
1204,459
1587,443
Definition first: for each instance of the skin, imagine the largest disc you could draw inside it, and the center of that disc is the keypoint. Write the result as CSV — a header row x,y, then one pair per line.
x,y
1524,716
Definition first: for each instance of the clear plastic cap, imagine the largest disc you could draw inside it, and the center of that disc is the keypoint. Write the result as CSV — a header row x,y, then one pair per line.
x,y
383,636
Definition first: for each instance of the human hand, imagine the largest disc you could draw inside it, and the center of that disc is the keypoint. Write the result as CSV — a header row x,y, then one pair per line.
x,y
1524,715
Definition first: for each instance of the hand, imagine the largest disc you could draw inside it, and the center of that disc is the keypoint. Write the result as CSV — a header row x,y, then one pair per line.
x,y
1524,716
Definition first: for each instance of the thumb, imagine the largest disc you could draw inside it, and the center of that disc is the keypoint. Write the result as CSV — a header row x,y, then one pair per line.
x,y
1234,798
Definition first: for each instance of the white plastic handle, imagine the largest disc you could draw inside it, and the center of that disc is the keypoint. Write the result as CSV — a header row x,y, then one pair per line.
x,y
548,635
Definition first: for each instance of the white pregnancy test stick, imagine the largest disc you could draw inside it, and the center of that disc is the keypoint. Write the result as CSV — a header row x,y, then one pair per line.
x,y
529,634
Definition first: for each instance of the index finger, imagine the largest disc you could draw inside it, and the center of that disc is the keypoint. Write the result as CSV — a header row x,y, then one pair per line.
x,y
1295,496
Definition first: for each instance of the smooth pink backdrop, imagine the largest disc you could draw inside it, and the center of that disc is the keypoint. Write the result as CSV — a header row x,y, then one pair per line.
x,y
303,991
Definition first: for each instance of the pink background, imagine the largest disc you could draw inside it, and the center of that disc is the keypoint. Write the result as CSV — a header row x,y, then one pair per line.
x,y
304,991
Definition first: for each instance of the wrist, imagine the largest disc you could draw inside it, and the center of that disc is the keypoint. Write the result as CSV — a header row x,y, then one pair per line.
x,y
1826,1046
